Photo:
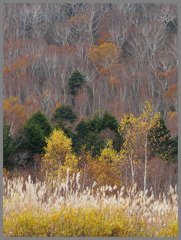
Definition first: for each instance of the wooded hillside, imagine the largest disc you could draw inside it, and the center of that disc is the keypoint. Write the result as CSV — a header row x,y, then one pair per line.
x,y
90,135
126,54
85,68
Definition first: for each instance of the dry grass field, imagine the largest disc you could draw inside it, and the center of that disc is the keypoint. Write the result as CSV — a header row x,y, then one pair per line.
x,y
63,209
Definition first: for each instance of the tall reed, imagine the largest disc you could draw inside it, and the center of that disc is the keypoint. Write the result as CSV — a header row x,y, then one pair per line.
x,y
49,196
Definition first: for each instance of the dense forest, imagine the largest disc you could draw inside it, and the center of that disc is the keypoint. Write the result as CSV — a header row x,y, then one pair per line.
x,y
90,90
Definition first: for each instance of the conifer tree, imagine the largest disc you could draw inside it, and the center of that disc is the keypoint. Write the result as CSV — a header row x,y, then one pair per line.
x,y
9,146
75,81
36,129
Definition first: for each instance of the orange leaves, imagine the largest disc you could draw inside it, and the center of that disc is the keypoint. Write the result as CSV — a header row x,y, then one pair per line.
x,y
105,37
46,93
172,93
14,113
51,50
172,123
18,68
167,75
32,58
57,106
105,71
132,28
35,102
6,70
78,19
32,104
114,82
6,173
66,50
13,44
172,71
162,75
20,61
172,115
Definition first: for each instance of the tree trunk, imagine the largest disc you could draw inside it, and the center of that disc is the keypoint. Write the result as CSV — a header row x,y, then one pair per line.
x,y
146,160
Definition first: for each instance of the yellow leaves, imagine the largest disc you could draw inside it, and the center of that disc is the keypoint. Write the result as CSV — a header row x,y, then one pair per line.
x,y
105,54
135,131
104,172
108,154
12,101
58,156
107,221
128,122
71,162
106,168
147,107
58,145
169,231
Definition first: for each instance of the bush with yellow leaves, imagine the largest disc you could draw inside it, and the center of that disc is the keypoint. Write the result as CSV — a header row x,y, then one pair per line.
x,y
106,168
58,156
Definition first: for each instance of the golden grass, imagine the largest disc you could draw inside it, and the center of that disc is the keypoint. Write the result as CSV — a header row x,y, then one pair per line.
x,y
63,209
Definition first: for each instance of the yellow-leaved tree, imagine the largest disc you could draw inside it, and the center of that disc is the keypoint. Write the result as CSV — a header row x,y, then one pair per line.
x,y
135,147
105,55
106,169
58,156
108,154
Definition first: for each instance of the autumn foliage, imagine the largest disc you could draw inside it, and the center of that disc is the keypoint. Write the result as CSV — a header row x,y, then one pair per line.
x,y
90,110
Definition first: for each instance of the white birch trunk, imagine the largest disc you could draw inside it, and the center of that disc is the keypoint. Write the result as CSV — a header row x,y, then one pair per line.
x,y
146,160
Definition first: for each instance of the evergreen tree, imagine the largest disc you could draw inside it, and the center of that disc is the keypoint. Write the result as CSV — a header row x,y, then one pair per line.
x,y
9,146
172,26
94,123
159,139
109,121
36,129
173,150
64,113
94,143
88,133
75,81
